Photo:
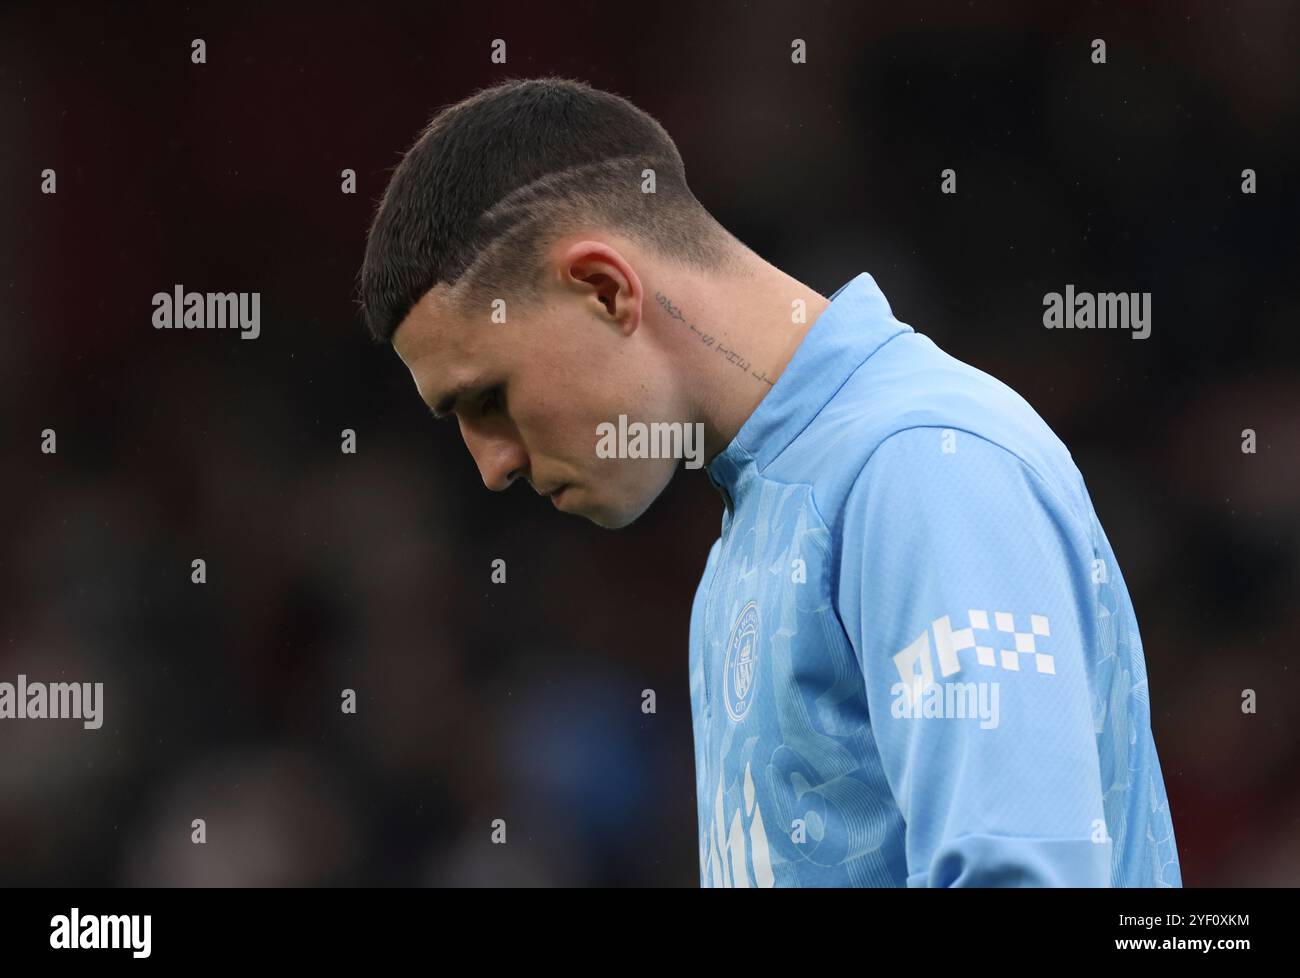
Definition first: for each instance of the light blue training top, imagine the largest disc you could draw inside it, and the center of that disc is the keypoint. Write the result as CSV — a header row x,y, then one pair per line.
x,y
913,658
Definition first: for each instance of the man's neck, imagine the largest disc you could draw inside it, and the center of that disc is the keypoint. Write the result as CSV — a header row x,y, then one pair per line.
x,y
741,335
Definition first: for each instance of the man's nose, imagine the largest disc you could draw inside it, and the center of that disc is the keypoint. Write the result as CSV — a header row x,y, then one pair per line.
x,y
499,457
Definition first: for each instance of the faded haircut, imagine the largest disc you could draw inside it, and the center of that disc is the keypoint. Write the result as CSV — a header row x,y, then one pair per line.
x,y
494,179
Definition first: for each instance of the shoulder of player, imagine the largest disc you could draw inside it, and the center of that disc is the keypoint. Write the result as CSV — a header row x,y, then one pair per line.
x,y
973,451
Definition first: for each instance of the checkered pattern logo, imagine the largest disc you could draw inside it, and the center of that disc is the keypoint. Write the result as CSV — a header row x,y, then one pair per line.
x,y
1007,648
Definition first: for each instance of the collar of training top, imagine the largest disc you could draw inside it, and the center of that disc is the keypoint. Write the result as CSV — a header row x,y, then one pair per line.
x,y
857,322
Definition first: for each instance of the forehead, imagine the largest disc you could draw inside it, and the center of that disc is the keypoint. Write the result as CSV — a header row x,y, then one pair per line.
x,y
437,346
431,327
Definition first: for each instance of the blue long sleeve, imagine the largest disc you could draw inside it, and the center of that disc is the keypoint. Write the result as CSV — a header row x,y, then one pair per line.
x,y
966,594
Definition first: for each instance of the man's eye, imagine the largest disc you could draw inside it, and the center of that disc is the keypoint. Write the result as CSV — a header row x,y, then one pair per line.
x,y
490,403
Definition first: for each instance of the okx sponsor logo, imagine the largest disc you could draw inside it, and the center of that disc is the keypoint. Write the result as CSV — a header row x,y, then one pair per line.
x,y
919,694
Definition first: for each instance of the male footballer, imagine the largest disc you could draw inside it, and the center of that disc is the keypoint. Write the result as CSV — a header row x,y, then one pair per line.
x,y
913,658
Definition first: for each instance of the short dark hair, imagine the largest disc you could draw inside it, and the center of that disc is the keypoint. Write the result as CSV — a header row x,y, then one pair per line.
x,y
493,179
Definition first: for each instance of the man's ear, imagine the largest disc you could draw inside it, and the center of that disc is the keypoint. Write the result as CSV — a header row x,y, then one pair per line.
x,y
611,280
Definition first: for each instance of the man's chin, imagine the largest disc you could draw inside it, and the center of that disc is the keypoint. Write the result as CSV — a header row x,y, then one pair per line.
x,y
605,517
609,515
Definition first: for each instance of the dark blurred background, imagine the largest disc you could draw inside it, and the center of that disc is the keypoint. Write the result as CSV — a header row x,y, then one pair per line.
x,y
371,571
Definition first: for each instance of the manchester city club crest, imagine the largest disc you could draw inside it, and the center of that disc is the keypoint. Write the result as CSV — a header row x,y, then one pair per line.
x,y
740,672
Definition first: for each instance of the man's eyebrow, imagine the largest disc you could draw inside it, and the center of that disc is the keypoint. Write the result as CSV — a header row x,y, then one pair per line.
x,y
444,405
